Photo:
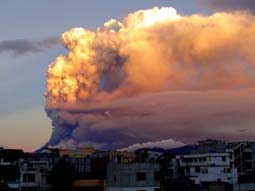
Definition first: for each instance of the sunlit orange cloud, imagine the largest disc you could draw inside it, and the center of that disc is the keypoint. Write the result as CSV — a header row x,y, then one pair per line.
x,y
151,51
155,50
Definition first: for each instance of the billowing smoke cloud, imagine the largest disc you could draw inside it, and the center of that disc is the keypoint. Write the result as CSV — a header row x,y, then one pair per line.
x,y
229,5
154,76
23,46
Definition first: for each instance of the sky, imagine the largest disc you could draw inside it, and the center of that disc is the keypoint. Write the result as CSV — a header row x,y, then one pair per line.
x,y
23,122
29,42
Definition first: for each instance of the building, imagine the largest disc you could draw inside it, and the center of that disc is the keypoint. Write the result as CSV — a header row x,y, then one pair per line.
x,y
11,155
30,178
211,146
89,185
244,187
81,164
50,155
244,157
211,165
35,169
79,158
100,160
179,184
244,161
148,155
10,175
132,177
9,167
34,175
210,170
84,151
154,155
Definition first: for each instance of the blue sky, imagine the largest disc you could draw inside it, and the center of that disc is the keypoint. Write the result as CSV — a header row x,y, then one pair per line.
x,y
23,122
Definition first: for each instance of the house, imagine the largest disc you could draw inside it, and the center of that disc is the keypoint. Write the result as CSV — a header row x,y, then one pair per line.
x,y
210,170
11,155
79,158
30,177
244,157
100,160
244,161
132,177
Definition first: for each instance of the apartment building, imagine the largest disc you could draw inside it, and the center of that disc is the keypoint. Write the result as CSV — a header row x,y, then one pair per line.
x,y
133,177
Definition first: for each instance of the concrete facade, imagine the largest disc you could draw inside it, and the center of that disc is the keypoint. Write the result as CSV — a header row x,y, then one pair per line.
x,y
132,189
208,167
132,177
244,187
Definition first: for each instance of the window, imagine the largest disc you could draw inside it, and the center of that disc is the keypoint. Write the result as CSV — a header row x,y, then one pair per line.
x,y
117,159
115,178
197,169
187,170
247,165
248,155
227,170
140,176
156,175
223,158
28,177
204,171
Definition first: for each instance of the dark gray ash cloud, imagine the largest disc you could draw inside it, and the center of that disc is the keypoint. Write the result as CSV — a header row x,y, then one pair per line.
x,y
24,46
229,5
156,118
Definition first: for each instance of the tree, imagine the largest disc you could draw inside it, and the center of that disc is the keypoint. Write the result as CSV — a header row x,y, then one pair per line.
x,y
62,176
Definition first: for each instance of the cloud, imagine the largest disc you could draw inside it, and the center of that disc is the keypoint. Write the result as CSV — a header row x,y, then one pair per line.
x,y
153,76
164,144
229,5
184,116
152,51
24,46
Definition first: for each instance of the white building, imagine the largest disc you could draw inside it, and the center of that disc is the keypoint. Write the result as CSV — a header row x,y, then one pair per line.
x,y
30,178
33,175
207,167
244,187
154,155
132,177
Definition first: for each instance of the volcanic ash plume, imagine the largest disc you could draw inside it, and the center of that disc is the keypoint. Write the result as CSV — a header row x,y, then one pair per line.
x,y
123,83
